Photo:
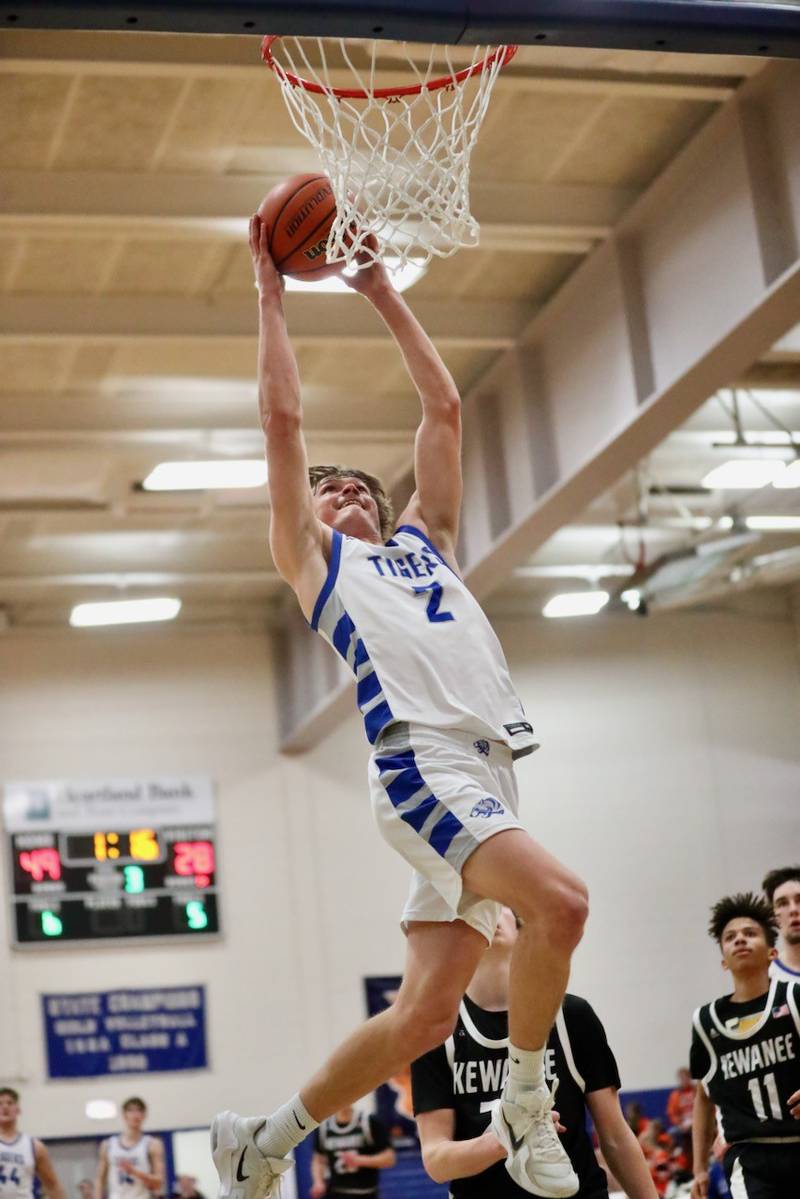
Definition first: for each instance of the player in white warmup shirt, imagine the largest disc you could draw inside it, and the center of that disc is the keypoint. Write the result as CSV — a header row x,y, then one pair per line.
x,y
131,1163
445,724
782,889
22,1158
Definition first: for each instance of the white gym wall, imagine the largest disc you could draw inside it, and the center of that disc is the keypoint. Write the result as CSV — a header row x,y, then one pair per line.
x,y
668,776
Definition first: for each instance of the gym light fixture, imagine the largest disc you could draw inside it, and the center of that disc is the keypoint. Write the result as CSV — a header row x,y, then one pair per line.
x,y
776,523
207,476
789,477
402,278
135,611
575,603
101,1109
745,474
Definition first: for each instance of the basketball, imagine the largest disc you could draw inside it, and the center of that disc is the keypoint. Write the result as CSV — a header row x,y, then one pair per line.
x,y
299,214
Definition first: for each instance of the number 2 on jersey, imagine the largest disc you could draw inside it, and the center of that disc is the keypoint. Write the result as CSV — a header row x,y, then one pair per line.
x,y
434,614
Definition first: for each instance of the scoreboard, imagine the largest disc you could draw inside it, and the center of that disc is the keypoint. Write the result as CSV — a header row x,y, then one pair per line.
x,y
111,860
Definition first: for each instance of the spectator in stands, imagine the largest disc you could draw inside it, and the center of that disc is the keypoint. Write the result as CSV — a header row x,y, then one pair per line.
x,y
637,1121
679,1112
717,1182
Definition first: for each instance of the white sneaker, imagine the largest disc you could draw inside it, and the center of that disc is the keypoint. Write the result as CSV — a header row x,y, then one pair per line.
x,y
537,1161
244,1171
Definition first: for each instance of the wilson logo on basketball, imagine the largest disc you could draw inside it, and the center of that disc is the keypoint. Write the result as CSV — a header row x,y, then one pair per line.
x,y
297,220
317,250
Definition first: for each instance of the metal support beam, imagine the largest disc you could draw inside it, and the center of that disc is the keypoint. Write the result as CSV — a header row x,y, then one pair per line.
x,y
704,26
648,327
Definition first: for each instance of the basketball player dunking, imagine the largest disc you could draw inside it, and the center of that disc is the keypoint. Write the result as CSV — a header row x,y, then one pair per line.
x,y
22,1158
445,724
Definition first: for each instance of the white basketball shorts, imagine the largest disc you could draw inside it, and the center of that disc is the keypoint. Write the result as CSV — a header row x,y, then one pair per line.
x,y
437,794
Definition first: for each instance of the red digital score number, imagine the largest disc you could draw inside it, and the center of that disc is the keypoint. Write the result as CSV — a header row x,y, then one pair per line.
x,y
194,858
41,864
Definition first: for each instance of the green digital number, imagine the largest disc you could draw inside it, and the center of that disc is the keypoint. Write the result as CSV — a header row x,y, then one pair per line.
x,y
196,916
134,880
52,925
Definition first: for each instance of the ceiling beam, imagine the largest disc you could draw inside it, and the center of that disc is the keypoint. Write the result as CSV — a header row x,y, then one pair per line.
x,y
312,319
91,53
644,331
252,581
559,219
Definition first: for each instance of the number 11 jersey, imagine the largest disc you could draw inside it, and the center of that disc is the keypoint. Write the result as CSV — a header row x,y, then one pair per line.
x,y
417,640
747,1056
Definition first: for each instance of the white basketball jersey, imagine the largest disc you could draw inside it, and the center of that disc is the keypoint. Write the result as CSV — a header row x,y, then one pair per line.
x,y
17,1168
122,1185
778,969
418,642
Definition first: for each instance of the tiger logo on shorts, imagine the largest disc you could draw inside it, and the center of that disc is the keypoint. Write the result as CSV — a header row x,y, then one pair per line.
x,y
487,807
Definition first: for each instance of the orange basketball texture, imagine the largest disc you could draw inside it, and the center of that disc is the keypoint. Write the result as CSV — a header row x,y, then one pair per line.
x,y
299,213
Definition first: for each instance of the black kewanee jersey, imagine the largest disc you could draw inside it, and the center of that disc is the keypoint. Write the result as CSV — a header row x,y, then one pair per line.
x,y
362,1134
467,1074
747,1056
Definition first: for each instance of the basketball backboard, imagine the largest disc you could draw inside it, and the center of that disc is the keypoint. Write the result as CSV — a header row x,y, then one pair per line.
x,y
704,26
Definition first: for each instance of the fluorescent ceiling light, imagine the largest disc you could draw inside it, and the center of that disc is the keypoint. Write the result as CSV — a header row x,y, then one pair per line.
x,y
789,477
137,611
207,476
576,603
744,473
101,1109
402,278
773,522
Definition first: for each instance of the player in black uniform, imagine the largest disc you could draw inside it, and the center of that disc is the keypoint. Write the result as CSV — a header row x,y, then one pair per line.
x,y
456,1086
350,1148
746,1057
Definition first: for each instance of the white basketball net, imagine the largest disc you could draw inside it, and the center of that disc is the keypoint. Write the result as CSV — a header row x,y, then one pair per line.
x,y
398,164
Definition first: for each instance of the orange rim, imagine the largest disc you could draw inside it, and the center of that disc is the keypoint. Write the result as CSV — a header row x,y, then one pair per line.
x,y
504,53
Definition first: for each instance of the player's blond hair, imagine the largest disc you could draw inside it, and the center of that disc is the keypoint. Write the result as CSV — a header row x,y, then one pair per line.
x,y
385,511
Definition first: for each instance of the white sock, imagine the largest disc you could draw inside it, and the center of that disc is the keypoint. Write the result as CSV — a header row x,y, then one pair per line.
x,y
285,1128
525,1070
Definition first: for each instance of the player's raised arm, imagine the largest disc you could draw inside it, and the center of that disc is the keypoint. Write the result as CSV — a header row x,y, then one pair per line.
x,y
437,455
295,533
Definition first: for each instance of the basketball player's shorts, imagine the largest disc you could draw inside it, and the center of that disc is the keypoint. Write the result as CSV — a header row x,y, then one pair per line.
x,y
763,1169
437,794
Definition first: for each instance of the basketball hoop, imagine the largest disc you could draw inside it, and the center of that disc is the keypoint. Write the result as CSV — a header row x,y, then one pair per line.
x,y
397,153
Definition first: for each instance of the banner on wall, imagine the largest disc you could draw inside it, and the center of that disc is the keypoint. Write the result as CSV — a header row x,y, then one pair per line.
x,y
125,1032
393,1105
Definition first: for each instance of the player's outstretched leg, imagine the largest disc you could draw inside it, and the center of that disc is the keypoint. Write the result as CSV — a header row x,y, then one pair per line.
x,y
551,903
252,1152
